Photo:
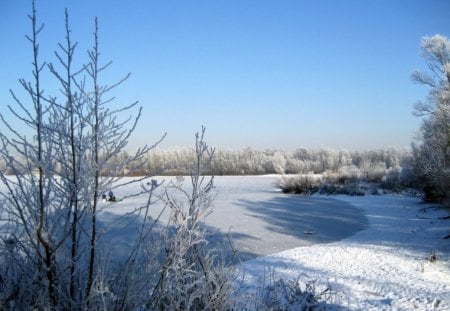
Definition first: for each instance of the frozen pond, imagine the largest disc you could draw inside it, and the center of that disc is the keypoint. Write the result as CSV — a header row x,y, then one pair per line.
x,y
260,219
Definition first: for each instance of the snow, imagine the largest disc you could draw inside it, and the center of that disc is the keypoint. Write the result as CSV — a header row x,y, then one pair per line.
x,y
384,267
259,219
372,251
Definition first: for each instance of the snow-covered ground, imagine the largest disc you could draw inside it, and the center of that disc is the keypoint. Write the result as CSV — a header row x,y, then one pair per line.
x,y
383,267
372,251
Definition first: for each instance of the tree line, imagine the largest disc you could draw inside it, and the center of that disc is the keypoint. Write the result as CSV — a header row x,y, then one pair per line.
x,y
248,161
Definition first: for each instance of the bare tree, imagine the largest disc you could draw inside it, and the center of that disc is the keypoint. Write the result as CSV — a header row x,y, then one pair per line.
x,y
50,204
28,195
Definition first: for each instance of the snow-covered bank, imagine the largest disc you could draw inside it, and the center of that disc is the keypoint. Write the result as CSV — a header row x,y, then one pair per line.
x,y
384,267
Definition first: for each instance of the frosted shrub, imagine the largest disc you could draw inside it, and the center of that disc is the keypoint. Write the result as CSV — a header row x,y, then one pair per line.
x,y
327,183
351,188
302,184
295,295
348,173
392,180
301,293
12,267
192,276
293,166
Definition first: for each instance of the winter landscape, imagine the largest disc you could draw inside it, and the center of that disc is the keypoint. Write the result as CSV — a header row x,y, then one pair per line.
x,y
375,252
100,209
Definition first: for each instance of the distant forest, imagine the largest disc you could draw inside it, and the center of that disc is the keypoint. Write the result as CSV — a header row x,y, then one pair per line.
x,y
178,161
370,164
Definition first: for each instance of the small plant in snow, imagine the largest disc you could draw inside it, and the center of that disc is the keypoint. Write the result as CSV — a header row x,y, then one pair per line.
x,y
293,295
302,293
192,276
432,257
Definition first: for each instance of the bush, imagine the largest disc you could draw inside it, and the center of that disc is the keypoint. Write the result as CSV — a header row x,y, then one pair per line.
x,y
295,295
347,182
306,185
301,293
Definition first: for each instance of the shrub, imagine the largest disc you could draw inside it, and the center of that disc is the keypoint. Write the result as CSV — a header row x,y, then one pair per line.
x,y
295,295
332,183
301,293
306,185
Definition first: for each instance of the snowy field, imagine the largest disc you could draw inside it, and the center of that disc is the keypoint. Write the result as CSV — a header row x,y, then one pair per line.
x,y
373,251
386,266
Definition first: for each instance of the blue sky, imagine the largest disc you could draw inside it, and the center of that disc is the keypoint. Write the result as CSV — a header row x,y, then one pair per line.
x,y
264,74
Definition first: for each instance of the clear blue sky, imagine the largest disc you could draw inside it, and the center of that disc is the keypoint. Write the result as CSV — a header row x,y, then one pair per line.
x,y
282,74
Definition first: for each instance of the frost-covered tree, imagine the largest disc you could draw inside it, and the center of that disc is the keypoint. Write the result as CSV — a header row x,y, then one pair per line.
x,y
26,200
50,250
432,155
